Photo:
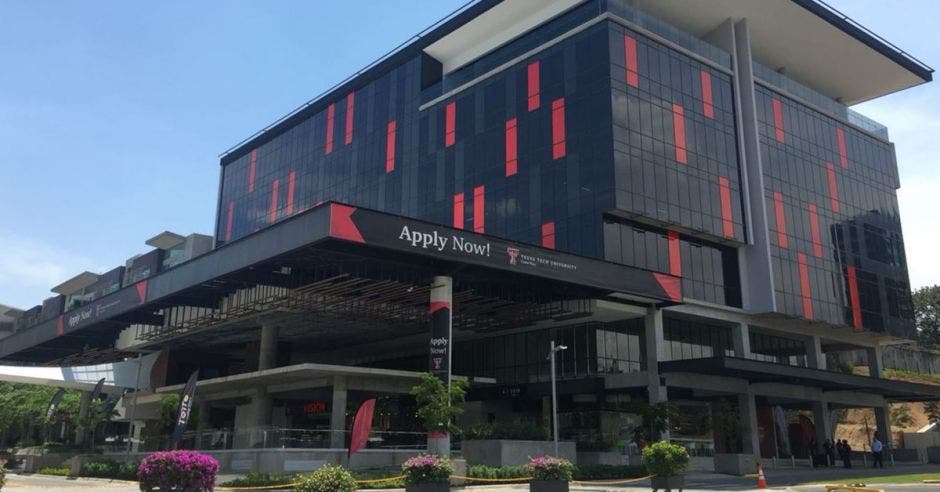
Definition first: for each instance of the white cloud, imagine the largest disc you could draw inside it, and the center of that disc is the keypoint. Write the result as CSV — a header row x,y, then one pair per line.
x,y
30,267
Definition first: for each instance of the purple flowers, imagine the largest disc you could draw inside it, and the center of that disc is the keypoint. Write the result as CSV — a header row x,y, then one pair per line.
x,y
550,468
182,471
427,468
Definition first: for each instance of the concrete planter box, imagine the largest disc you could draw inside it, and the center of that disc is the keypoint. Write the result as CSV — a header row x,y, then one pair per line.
x,y
499,452
428,487
735,464
668,483
548,486
601,458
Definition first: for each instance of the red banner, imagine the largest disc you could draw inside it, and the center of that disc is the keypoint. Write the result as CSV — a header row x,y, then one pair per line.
x,y
362,426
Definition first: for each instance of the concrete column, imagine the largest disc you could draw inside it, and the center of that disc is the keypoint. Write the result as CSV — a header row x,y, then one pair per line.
x,y
441,350
138,430
815,357
82,413
741,338
875,362
655,345
883,422
747,407
267,352
338,413
822,422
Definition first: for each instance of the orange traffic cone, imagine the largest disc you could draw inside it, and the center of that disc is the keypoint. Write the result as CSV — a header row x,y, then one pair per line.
x,y
761,481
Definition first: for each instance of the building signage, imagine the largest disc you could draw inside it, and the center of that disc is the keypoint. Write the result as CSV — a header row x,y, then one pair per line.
x,y
110,305
408,235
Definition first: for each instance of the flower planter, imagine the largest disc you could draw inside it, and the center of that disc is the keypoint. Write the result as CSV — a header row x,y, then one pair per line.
x,y
428,487
672,482
548,486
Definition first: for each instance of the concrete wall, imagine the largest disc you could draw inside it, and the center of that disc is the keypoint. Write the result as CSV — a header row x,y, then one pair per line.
x,y
240,461
500,452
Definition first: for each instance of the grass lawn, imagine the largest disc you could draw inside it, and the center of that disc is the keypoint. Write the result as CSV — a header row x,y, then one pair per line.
x,y
908,478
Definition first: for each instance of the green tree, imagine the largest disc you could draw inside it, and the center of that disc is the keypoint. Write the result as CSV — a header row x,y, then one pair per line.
x,y
901,416
932,410
927,315
437,407
22,412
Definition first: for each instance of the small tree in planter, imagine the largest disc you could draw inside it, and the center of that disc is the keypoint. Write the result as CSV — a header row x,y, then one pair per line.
x,y
666,461
549,474
427,473
177,471
437,407
327,479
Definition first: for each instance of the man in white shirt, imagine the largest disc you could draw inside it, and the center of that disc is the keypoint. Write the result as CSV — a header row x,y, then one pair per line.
x,y
877,448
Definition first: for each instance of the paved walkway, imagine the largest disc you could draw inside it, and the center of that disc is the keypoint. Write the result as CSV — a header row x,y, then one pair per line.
x,y
781,479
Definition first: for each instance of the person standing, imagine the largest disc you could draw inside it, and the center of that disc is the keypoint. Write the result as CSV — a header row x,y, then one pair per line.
x,y
830,453
877,448
847,454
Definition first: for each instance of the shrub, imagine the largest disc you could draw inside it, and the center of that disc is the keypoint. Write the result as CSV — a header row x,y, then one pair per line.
x,y
491,472
524,431
107,468
182,471
607,472
61,471
3,473
258,479
427,468
665,459
367,478
327,479
550,468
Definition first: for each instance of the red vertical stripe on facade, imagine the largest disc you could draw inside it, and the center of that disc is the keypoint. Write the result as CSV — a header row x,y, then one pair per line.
x,y
252,163
678,133
843,153
330,116
458,210
707,106
534,85
833,187
548,235
675,255
450,124
778,120
727,215
779,212
228,221
479,209
291,178
511,160
272,208
814,230
350,115
558,128
629,55
854,299
805,288
390,133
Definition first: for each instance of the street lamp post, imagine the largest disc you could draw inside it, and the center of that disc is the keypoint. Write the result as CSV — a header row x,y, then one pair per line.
x,y
551,358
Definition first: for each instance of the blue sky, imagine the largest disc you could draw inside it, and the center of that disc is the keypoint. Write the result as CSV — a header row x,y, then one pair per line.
x,y
113,114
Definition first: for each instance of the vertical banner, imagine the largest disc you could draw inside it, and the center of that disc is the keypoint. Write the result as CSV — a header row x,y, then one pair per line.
x,y
185,408
95,393
54,403
440,310
362,426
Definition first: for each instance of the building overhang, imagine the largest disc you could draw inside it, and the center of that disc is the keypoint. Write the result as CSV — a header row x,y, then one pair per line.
x,y
767,372
76,283
808,41
346,255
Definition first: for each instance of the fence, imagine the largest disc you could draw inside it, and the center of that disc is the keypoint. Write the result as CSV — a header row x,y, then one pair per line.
x,y
900,358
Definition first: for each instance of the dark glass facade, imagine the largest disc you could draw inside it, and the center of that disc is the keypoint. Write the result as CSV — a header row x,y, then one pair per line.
x,y
830,191
598,140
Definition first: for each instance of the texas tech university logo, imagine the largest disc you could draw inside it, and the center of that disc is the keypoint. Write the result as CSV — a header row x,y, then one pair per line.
x,y
513,254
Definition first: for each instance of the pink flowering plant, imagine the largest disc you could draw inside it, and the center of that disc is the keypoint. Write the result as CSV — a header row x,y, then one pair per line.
x,y
179,471
427,468
550,468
